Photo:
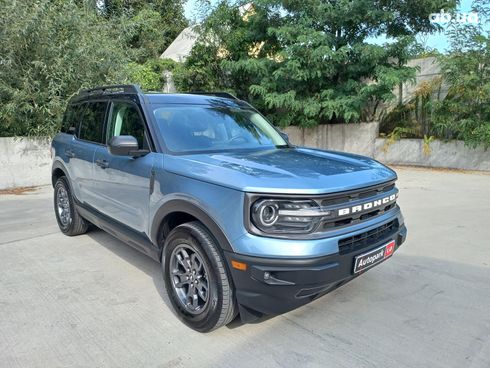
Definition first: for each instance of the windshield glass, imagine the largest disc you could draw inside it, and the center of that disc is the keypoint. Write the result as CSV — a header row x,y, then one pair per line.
x,y
208,128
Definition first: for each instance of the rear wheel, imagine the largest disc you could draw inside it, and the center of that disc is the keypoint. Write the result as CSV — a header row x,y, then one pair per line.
x,y
69,221
196,278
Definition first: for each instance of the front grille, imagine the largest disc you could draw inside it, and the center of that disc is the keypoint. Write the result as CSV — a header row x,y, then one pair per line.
x,y
358,194
347,199
356,242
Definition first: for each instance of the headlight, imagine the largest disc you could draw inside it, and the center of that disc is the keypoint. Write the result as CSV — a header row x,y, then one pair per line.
x,y
280,216
266,213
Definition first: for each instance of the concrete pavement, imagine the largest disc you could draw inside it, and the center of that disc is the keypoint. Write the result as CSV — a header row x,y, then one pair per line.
x,y
92,301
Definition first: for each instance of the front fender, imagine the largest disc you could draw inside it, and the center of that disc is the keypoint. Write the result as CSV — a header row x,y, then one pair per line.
x,y
191,206
58,164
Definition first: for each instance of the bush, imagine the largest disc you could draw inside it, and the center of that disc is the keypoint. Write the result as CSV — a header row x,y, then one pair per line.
x,y
51,49
150,75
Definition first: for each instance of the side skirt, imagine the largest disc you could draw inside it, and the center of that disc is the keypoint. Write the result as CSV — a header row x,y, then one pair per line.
x,y
122,232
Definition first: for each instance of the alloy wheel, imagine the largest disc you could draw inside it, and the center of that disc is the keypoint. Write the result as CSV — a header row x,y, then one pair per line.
x,y
189,276
63,206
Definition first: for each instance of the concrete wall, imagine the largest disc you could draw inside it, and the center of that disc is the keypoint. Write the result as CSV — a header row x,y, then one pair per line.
x,y
24,162
427,70
354,138
454,155
362,139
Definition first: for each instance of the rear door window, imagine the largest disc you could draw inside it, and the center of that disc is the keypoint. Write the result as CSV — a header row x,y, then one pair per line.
x,y
92,122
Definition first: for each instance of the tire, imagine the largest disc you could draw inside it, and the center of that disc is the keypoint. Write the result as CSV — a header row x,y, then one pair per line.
x,y
211,309
69,222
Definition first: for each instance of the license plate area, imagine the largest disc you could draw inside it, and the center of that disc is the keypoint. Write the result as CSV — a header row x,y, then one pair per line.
x,y
367,260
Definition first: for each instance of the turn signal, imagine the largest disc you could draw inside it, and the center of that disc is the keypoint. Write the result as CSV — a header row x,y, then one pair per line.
x,y
239,265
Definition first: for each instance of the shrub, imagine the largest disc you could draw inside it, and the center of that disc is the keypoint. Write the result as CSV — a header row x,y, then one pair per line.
x,y
51,49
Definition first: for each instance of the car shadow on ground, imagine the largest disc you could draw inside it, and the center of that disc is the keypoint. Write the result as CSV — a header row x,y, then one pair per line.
x,y
146,264
134,257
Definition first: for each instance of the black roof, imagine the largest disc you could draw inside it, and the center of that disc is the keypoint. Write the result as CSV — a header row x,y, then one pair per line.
x,y
134,92
192,99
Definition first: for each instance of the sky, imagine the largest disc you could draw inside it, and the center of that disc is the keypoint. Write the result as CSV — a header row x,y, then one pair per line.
x,y
435,41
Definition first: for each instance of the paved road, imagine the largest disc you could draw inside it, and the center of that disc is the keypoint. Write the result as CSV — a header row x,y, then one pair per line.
x,y
92,301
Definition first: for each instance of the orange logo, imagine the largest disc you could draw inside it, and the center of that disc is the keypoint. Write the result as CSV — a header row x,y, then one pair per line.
x,y
390,248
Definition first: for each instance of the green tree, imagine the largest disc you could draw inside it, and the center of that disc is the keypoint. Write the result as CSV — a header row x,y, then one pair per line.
x,y
151,75
147,27
312,61
51,49
465,112
201,71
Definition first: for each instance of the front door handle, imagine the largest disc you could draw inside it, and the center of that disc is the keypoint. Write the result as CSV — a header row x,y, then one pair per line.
x,y
69,153
102,163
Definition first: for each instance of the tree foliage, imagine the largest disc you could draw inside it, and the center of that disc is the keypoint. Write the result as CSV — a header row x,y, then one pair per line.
x,y
465,112
313,61
51,49
151,75
148,27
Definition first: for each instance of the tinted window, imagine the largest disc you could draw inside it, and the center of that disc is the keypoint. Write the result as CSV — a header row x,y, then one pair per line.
x,y
92,124
71,119
206,128
125,120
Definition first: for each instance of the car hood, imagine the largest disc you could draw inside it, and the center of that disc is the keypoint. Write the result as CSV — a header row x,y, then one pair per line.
x,y
286,171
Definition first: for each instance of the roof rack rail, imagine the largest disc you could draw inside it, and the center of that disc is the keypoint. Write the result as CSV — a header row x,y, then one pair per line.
x,y
216,94
126,88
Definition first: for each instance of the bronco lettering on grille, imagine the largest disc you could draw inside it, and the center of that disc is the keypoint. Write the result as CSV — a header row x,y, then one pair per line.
x,y
368,205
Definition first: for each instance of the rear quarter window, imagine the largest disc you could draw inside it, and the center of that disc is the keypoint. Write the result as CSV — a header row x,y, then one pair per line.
x,y
92,122
71,119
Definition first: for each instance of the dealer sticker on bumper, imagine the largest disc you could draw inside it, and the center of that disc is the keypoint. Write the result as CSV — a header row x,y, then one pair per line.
x,y
367,260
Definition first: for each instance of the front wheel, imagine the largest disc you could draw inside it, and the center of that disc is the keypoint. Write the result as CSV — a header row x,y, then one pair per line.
x,y
196,278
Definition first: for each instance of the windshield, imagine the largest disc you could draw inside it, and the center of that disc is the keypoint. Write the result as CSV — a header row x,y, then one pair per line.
x,y
207,128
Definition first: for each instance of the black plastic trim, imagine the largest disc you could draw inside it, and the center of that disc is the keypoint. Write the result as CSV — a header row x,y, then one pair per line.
x,y
59,165
290,283
122,232
126,88
183,205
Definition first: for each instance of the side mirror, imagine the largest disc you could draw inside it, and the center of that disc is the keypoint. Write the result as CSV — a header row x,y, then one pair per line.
x,y
125,145
284,136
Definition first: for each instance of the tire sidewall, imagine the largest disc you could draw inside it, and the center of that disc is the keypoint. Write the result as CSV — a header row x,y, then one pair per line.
x,y
63,182
208,318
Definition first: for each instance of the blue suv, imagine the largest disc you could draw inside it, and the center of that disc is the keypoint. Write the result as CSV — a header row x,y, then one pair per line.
x,y
243,222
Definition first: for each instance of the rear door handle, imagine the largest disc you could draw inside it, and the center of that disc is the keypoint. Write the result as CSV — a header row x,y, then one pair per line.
x,y
102,163
69,153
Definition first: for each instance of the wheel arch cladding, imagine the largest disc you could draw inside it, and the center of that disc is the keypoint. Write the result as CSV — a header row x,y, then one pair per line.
x,y
57,171
179,211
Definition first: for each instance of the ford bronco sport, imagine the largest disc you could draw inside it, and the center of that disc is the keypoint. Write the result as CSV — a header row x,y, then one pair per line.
x,y
243,222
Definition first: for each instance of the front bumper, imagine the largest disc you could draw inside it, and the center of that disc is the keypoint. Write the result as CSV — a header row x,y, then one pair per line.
x,y
271,286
